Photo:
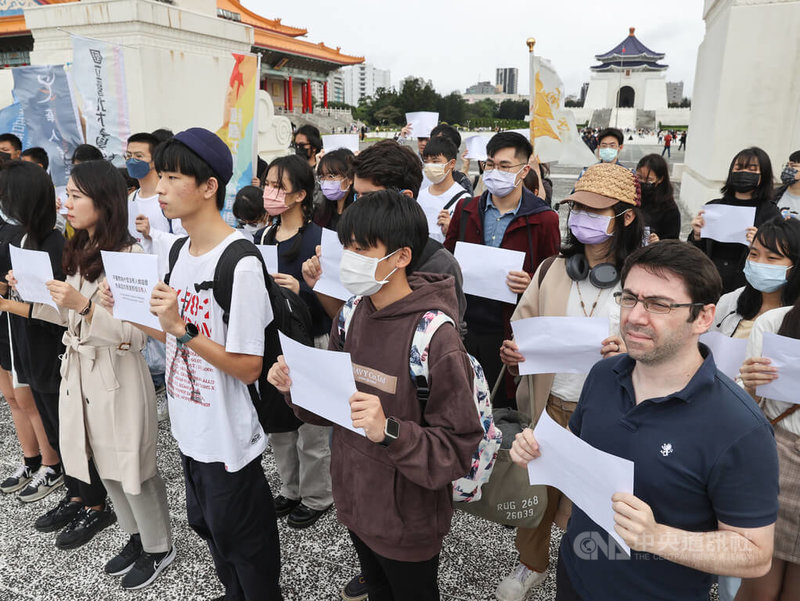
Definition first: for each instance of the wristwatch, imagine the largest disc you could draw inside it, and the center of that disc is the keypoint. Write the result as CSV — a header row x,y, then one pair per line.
x,y
191,332
390,432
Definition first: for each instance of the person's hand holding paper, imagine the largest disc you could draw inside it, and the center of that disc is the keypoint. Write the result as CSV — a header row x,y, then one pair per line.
x,y
486,271
727,223
559,344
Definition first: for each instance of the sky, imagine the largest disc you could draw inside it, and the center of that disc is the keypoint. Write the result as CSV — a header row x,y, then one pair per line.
x,y
458,43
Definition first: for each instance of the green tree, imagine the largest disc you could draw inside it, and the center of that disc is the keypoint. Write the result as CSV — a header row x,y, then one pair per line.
x,y
452,109
512,109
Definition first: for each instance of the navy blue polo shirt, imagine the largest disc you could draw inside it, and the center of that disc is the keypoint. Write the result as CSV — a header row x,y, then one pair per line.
x,y
701,455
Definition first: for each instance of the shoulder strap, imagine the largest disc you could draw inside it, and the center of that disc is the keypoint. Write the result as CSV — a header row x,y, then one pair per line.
x,y
428,325
174,252
784,415
462,226
454,199
268,235
222,285
545,267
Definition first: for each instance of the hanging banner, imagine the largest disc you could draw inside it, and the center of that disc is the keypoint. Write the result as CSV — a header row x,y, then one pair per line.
x,y
12,120
43,92
239,129
98,74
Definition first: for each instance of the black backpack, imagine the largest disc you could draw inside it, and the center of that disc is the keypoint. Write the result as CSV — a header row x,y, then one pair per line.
x,y
290,316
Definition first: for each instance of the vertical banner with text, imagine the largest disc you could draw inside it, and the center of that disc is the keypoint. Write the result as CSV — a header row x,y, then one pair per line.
x,y
98,73
50,117
239,130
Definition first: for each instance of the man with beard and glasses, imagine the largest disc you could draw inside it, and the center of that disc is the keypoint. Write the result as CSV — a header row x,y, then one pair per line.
x,y
705,494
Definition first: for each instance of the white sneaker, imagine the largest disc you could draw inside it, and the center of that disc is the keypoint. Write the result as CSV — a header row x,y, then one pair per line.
x,y
515,586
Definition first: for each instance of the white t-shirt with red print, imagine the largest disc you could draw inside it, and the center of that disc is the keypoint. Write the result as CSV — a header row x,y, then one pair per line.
x,y
211,412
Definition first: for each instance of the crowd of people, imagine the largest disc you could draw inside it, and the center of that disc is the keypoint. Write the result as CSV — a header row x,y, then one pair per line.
x,y
716,494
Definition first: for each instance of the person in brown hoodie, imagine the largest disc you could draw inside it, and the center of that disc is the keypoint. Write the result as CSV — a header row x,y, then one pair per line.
x,y
392,487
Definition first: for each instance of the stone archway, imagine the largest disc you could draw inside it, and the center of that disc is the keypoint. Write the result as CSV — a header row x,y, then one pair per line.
x,y
625,97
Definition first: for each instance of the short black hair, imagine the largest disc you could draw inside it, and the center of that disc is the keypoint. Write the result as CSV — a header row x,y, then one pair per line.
x,y
689,263
510,139
173,155
301,177
14,140
86,152
145,138
795,156
390,165
614,133
163,134
38,155
440,146
447,131
389,217
312,135
249,204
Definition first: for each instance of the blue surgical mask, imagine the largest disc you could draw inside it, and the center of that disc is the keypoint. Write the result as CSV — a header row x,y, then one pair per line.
x,y
765,277
607,155
137,169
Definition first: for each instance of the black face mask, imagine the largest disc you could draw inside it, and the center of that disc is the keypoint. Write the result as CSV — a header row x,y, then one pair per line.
x,y
648,188
303,151
744,181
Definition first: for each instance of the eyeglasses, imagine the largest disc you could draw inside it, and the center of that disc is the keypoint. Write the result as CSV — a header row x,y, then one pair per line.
x,y
489,166
628,301
329,178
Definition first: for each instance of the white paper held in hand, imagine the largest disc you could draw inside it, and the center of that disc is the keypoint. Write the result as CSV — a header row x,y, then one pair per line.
x,y
270,254
729,353
588,476
557,345
485,269
131,278
337,141
32,269
476,147
784,353
322,381
727,223
432,207
330,284
422,122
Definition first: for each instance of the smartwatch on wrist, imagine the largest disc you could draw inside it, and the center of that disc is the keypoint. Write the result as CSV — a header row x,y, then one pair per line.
x,y
191,332
390,431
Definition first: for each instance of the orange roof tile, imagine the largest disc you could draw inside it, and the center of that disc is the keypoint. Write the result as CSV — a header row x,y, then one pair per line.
x,y
319,51
259,22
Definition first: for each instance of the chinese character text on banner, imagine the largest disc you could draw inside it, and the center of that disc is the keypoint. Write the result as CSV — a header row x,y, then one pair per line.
x,y
98,72
239,130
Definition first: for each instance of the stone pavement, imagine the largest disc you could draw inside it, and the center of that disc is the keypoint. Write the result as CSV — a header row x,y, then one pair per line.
x,y
316,562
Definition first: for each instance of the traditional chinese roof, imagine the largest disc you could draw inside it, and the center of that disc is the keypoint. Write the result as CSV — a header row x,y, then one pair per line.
x,y
629,53
257,21
279,44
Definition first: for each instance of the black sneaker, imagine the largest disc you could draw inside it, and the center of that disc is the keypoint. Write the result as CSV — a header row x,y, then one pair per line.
x,y
284,506
146,569
303,517
17,480
43,483
356,589
123,561
84,526
59,516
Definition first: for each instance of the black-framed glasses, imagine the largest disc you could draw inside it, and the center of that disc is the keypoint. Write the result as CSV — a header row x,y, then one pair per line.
x,y
490,166
628,301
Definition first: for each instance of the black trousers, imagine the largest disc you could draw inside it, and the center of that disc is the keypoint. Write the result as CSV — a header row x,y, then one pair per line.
x,y
234,514
391,580
486,349
564,589
92,493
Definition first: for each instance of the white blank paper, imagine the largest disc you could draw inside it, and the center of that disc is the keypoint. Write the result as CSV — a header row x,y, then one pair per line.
x,y
476,147
131,278
330,284
32,269
729,353
588,476
337,141
557,345
422,123
784,352
432,207
485,269
322,381
270,254
726,223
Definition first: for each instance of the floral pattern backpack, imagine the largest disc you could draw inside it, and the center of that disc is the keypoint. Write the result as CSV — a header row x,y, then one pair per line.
x,y
467,488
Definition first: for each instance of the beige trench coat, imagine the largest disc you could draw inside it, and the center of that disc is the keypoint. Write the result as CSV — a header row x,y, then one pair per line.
x,y
107,404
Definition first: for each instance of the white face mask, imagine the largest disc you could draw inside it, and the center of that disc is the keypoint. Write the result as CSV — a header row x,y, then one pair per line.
x,y
250,228
357,273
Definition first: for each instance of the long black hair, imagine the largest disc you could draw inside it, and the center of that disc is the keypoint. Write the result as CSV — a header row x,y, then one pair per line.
x,y
27,195
663,195
625,240
301,178
337,162
764,192
781,236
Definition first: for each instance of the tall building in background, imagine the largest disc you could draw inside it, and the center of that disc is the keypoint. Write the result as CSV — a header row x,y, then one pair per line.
x,y
483,87
674,92
507,79
364,80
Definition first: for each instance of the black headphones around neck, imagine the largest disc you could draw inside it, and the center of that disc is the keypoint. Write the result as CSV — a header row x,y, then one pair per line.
x,y
602,275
